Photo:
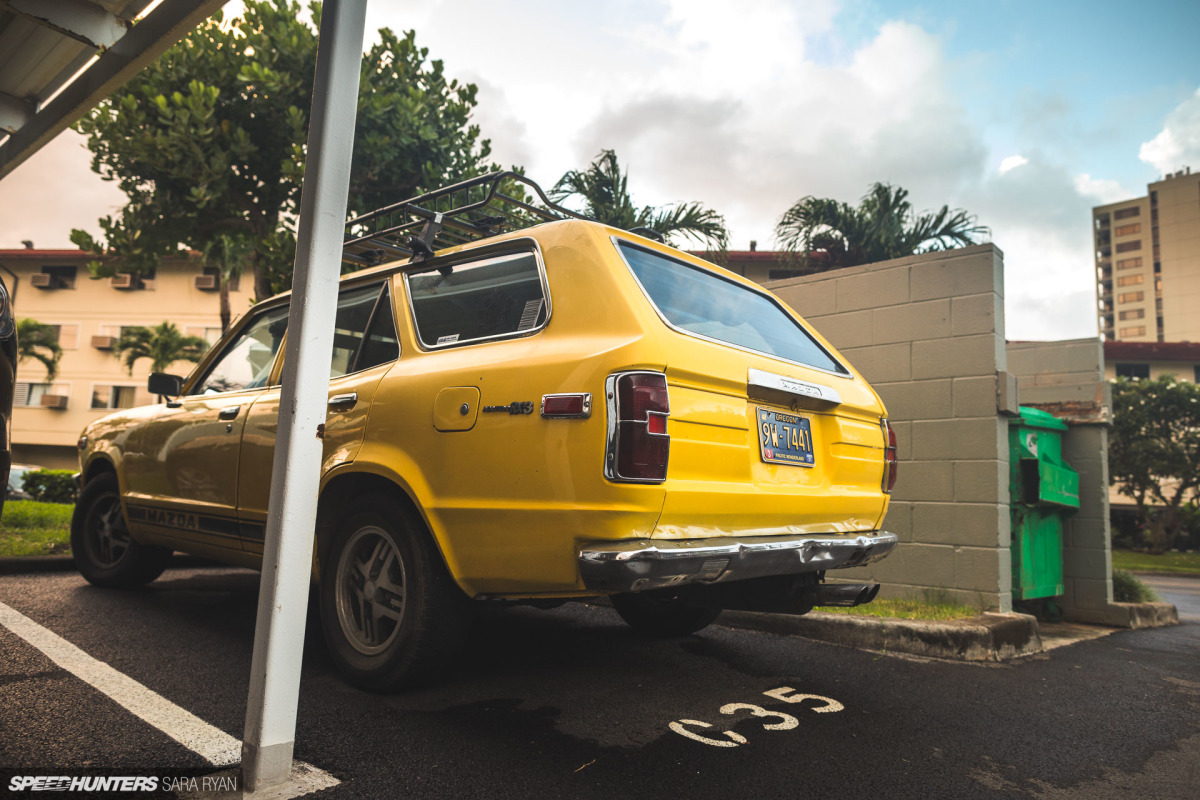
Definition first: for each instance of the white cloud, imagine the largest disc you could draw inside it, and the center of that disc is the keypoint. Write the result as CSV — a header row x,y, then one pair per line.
x,y
1178,144
1103,191
1012,162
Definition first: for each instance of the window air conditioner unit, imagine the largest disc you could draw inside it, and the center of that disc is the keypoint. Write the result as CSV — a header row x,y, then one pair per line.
x,y
122,280
206,283
42,280
104,342
54,401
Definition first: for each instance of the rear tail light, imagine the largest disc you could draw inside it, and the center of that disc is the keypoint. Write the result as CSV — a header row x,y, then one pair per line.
x,y
638,444
889,457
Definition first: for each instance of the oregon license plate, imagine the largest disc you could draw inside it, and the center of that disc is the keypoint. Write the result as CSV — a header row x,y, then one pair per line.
x,y
785,438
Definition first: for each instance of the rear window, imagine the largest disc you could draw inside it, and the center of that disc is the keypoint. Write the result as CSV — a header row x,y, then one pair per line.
x,y
698,302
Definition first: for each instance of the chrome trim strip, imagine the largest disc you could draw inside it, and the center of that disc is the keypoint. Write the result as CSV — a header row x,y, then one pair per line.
x,y
587,405
792,386
643,564
847,374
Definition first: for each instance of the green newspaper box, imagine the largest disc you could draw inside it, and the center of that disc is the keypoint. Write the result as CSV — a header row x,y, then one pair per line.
x,y
1043,490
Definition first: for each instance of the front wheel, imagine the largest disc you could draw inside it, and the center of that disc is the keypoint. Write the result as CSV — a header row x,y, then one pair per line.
x,y
104,552
390,611
662,614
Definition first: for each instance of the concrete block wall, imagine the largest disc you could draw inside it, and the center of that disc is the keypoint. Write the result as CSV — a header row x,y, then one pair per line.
x,y
928,333
1067,379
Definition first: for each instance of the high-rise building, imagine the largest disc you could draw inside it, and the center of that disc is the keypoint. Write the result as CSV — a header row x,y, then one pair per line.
x,y
1148,263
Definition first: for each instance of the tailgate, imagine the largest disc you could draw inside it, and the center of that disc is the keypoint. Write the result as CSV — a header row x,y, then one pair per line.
x,y
770,449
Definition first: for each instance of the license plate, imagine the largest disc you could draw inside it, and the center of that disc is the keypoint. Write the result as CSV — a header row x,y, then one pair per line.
x,y
785,438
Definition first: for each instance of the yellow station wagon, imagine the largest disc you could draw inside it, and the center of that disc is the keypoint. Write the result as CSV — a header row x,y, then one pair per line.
x,y
523,405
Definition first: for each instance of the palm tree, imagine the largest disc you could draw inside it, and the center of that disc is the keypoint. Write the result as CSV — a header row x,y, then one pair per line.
x,y
229,254
883,226
605,193
162,344
39,342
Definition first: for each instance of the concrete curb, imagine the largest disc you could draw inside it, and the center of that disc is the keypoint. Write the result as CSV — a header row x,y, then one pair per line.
x,y
1150,615
986,637
25,565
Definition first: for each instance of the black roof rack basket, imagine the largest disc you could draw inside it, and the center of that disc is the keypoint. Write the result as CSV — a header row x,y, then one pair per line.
x,y
472,209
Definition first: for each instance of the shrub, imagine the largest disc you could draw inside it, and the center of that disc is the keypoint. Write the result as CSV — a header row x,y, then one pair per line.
x,y
1128,589
51,485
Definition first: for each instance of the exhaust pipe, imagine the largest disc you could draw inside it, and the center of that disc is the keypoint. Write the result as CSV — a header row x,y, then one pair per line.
x,y
845,594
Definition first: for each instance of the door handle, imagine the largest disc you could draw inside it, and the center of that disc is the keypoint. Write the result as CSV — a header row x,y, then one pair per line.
x,y
343,401
228,412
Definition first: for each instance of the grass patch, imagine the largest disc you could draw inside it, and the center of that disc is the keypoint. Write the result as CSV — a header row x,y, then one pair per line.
x,y
930,605
30,528
1177,563
1128,589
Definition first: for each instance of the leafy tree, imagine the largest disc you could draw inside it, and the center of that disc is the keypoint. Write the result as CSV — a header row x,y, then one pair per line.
x,y
883,226
208,143
40,343
162,344
604,190
1154,452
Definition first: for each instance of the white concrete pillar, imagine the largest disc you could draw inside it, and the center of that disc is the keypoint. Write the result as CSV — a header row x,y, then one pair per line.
x,y
291,517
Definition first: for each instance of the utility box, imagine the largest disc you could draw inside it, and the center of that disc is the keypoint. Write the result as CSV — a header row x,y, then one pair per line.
x,y
1043,491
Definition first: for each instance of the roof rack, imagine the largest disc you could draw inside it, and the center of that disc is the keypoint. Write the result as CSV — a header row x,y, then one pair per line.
x,y
472,209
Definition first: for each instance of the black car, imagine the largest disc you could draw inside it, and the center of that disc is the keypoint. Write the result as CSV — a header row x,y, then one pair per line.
x,y
8,377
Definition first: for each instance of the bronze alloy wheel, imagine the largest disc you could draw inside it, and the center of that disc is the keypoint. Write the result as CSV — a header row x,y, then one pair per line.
x,y
106,537
371,584
104,550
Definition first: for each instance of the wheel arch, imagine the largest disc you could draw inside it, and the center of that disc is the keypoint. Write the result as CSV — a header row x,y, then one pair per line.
x,y
341,489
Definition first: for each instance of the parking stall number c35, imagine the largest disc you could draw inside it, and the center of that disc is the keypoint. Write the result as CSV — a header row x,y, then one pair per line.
x,y
783,722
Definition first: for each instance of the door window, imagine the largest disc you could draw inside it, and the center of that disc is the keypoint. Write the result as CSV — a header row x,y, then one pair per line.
x,y
364,334
246,363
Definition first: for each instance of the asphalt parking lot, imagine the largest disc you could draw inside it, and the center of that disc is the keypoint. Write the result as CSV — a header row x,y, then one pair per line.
x,y
569,703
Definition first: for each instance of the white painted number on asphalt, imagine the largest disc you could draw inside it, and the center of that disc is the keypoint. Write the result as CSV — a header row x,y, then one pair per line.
x,y
820,705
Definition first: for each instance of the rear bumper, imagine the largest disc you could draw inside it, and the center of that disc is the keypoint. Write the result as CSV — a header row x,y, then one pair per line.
x,y
644,564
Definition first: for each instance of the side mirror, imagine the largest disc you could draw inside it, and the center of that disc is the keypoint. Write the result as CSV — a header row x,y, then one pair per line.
x,y
164,384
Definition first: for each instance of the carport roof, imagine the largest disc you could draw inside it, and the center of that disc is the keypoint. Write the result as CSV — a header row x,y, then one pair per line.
x,y
59,58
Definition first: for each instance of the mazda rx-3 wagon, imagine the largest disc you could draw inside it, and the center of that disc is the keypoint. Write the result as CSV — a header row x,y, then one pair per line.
x,y
523,405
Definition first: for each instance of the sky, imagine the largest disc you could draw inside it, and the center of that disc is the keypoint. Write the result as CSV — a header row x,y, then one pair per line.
x,y
1024,113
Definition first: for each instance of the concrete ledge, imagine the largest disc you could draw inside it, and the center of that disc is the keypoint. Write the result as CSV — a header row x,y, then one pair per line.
x,y
987,637
1127,615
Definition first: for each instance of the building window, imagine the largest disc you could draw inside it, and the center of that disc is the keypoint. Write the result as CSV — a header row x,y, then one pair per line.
x,y
1131,297
1129,263
1125,247
1126,230
1134,330
1136,313
67,336
1130,280
1133,371
38,395
1126,213
106,396
1196,373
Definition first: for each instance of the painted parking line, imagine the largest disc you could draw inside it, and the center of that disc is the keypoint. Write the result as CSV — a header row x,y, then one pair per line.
x,y
208,741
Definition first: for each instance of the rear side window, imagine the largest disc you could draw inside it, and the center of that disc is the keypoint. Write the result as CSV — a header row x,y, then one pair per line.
x,y
698,302
478,300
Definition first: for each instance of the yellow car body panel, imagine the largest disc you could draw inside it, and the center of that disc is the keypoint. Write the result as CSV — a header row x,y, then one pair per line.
x,y
509,496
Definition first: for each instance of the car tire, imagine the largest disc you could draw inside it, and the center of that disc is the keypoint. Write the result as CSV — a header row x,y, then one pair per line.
x,y
104,552
662,615
390,611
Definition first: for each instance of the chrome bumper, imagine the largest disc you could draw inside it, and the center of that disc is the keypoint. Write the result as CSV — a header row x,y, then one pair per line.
x,y
644,564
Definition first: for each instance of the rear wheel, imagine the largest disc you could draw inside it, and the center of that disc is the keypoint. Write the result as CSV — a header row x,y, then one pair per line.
x,y
662,614
390,611
104,552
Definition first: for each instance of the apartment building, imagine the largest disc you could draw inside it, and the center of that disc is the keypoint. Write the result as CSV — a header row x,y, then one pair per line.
x,y
1147,253
55,287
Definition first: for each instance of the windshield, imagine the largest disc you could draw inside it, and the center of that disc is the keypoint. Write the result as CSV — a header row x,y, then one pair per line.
x,y
697,301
